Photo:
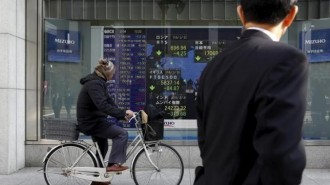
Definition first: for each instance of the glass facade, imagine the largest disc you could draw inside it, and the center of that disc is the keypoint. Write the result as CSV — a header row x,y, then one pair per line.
x,y
159,48
313,37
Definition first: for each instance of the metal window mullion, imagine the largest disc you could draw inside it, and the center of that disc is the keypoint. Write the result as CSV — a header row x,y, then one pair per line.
x,y
106,9
201,16
71,9
46,8
307,10
213,10
189,10
49,8
59,4
237,3
94,9
142,17
130,9
225,10
202,5
177,14
118,9
83,9
319,9
153,10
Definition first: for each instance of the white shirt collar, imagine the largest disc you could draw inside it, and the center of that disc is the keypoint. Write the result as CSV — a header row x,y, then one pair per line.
x,y
270,34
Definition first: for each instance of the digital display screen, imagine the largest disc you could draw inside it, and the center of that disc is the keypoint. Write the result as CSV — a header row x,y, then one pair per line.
x,y
162,66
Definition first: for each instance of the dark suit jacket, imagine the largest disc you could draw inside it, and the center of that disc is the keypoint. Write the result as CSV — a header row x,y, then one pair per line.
x,y
251,104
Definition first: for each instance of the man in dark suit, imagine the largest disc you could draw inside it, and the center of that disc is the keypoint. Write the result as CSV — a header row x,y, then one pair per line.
x,y
251,103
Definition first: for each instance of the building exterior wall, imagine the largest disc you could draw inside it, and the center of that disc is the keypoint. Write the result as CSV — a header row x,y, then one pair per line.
x,y
21,70
151,10
33,68
12,85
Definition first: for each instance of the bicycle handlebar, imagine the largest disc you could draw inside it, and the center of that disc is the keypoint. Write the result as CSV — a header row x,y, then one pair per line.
x,y
133,117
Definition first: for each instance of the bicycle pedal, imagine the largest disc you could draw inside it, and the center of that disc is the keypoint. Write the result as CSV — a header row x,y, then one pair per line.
x,y
119,173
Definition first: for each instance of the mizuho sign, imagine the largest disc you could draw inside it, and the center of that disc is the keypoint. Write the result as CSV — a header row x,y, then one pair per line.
x,y
63,45
65,41
315,44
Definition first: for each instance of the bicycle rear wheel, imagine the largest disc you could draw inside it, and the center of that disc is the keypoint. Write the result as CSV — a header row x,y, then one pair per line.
x,y
58,161
166,158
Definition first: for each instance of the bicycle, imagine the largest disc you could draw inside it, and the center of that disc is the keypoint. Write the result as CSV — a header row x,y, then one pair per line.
x,y
75,162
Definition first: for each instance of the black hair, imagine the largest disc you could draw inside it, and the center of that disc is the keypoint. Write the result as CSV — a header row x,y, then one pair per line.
x,y
266,11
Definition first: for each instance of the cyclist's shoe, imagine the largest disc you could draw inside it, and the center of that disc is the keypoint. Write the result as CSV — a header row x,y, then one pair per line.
x,y
116,168
100,183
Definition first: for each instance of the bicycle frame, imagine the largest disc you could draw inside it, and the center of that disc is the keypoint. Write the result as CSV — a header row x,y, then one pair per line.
x,y
136,142
100,174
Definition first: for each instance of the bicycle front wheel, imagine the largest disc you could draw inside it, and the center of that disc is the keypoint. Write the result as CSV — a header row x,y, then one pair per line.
x,y
58,162
167,159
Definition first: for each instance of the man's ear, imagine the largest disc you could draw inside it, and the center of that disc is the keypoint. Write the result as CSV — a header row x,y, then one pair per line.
x,y
241,14
290,17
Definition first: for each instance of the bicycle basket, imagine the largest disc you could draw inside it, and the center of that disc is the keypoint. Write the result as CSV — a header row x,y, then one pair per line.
x,y
154,129
60,129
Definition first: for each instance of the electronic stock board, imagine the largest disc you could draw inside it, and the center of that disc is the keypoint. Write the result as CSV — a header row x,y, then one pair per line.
x,y
162,65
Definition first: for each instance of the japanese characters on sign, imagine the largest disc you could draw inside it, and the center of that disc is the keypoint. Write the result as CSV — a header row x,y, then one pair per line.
x,y
161,66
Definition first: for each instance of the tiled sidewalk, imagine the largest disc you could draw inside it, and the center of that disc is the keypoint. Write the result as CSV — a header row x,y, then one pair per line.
x,y
34,176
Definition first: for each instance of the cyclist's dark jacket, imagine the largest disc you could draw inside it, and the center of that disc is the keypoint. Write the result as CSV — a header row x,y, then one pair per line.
x,y
94,105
